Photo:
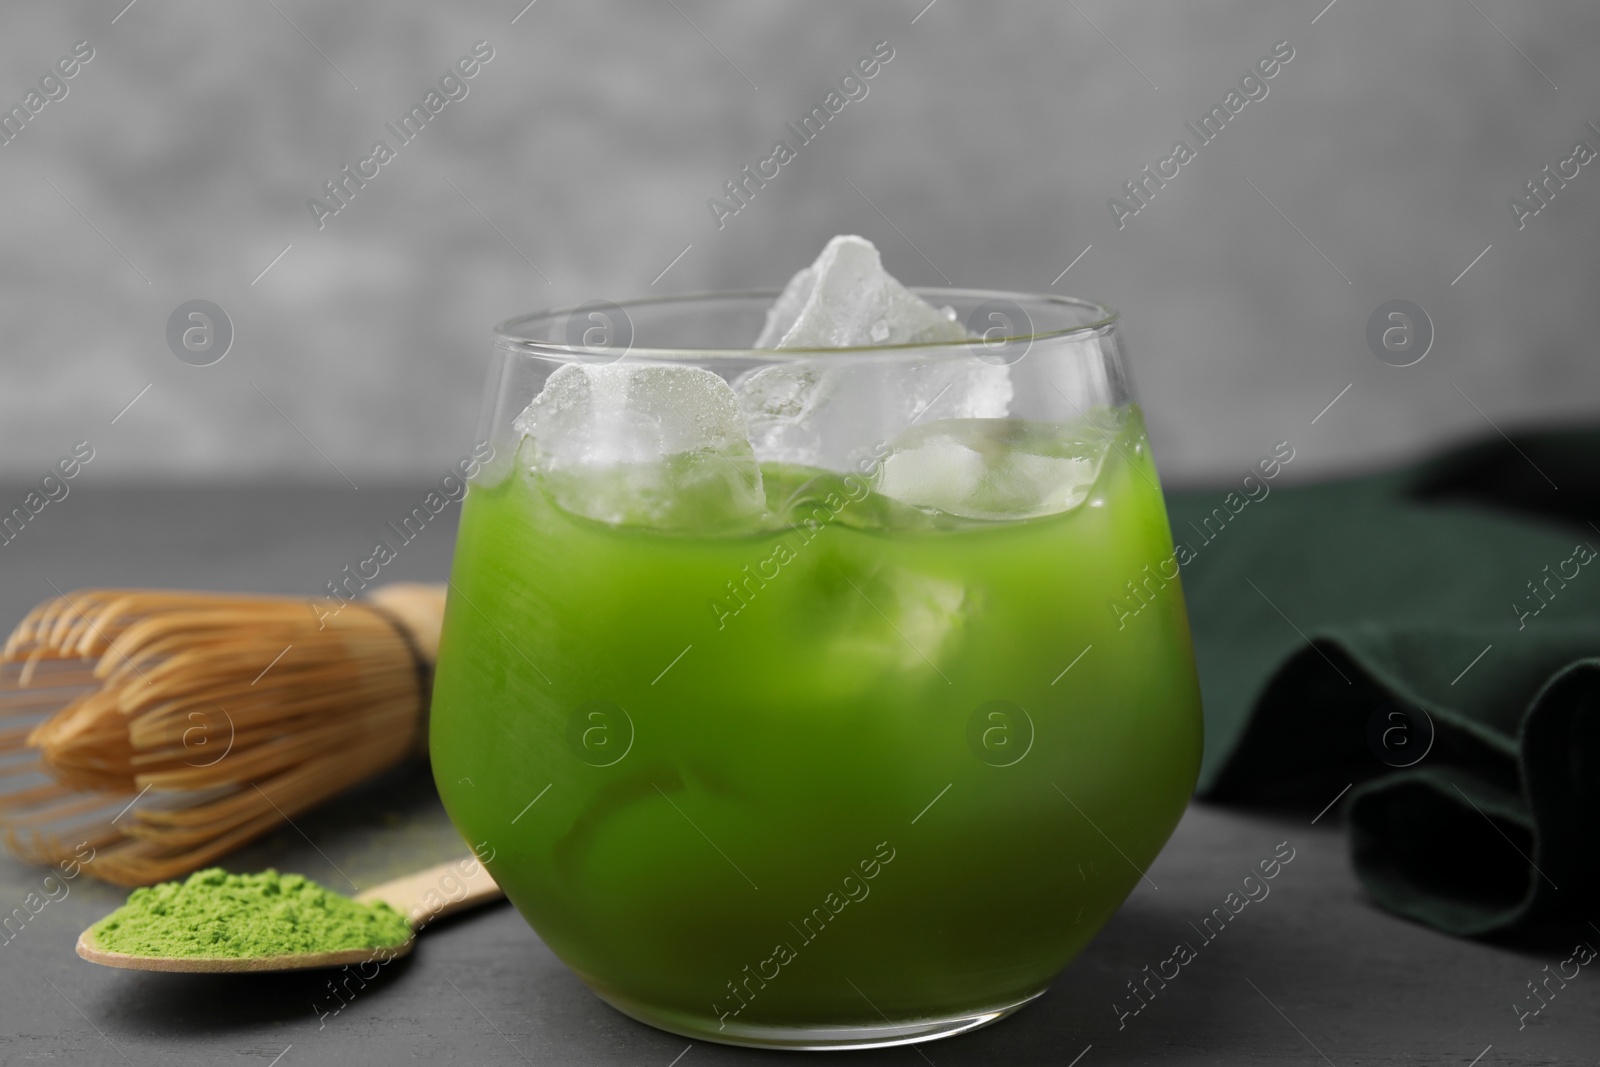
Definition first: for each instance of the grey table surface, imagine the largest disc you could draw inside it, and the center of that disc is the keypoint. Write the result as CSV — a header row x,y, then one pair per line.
x,y
1312,974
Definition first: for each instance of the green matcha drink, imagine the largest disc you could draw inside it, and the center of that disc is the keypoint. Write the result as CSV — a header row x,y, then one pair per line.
x,y
848,752
801,735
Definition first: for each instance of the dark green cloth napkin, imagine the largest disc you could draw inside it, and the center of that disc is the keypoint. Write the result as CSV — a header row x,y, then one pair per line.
x,y
1431,638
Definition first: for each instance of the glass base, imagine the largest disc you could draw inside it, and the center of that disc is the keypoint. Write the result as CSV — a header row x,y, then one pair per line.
x,y
818,1037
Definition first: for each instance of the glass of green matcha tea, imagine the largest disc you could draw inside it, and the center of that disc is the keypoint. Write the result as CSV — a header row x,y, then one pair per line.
x,y
815,672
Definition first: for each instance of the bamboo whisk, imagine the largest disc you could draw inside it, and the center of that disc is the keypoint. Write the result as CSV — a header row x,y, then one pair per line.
x,y
167,728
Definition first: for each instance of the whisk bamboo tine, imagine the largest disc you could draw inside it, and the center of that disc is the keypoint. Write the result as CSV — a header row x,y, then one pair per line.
x,y
199,697
142,862
28,631
66,624
23,799
19,703
60,845
38,816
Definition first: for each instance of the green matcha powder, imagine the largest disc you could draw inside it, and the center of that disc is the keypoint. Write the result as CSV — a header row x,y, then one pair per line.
x,y
234,916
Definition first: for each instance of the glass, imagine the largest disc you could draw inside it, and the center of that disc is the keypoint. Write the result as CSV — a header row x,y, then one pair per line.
x,y
865,763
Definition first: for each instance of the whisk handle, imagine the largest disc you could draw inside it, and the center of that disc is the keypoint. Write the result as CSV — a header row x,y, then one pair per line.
x,y
419,607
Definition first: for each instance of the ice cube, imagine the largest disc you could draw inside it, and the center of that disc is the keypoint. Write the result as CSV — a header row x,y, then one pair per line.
x,y
886,621
833,416
829,413
995,468
894,621
659,446
847,299
782,314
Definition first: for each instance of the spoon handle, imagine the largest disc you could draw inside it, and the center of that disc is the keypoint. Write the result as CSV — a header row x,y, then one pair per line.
x,y
452,886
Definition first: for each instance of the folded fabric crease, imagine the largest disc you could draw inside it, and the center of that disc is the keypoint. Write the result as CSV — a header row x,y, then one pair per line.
x,y
1429,640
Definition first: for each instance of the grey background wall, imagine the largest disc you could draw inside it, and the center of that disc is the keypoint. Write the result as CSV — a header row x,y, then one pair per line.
x,y
1379,166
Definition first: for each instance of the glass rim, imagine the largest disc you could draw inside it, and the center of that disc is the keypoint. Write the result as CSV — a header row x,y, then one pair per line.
x,y
509,333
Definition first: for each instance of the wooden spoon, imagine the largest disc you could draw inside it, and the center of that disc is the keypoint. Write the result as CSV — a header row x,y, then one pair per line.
x,y
422,897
